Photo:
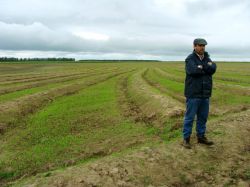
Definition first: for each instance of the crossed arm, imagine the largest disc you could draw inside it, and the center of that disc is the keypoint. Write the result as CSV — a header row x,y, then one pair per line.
x,y
196,70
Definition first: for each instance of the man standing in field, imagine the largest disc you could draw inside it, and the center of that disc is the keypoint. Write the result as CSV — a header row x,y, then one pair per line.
x,y
198,88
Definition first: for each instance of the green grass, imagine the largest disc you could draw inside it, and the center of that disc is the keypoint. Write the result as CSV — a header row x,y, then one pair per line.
x,y
169,87
67,129
17,94
88,124
172,129
247,174
20,93
220,98
174,86
225,98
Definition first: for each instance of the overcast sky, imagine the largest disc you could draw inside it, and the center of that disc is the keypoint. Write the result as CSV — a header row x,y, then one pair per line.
x,y
124,29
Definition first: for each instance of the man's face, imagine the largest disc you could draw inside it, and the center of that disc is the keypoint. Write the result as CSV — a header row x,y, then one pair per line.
x,y
199,48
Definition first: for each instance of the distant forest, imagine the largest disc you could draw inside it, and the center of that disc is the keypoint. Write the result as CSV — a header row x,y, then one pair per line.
x,y
12,59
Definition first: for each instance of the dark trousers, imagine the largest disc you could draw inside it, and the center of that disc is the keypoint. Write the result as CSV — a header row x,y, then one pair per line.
x,y
199,107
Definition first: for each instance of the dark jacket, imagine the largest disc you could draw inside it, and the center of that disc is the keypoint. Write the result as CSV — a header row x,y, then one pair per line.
x,y
198,82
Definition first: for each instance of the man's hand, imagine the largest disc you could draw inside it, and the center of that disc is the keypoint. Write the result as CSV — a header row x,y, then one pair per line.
x,y
210,63
200,66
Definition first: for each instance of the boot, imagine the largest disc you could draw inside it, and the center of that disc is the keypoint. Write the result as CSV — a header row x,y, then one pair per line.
x,y
204,140
186,143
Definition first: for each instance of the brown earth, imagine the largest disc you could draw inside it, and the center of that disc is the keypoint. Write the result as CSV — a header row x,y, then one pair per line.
x,y
162,163
153,107
227,163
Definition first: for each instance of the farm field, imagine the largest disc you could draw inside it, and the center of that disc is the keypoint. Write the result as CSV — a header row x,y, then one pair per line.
x,y
119,124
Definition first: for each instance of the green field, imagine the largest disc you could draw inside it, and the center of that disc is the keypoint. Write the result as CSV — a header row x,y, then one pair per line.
x,y
56,115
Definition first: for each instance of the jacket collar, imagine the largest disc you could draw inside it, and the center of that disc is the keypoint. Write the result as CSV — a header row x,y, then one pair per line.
x,y
205,53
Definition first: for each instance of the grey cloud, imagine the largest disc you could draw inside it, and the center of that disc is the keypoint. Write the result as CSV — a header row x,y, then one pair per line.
x,y
143,28
40,37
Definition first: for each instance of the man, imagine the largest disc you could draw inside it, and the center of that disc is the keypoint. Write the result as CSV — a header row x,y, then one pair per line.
x,y
198,88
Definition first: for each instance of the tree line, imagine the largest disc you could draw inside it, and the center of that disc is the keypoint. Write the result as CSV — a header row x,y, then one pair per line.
x,y
13,59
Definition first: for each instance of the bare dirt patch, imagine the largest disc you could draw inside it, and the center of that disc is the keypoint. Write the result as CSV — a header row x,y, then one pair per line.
x,y
224,164
157,107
